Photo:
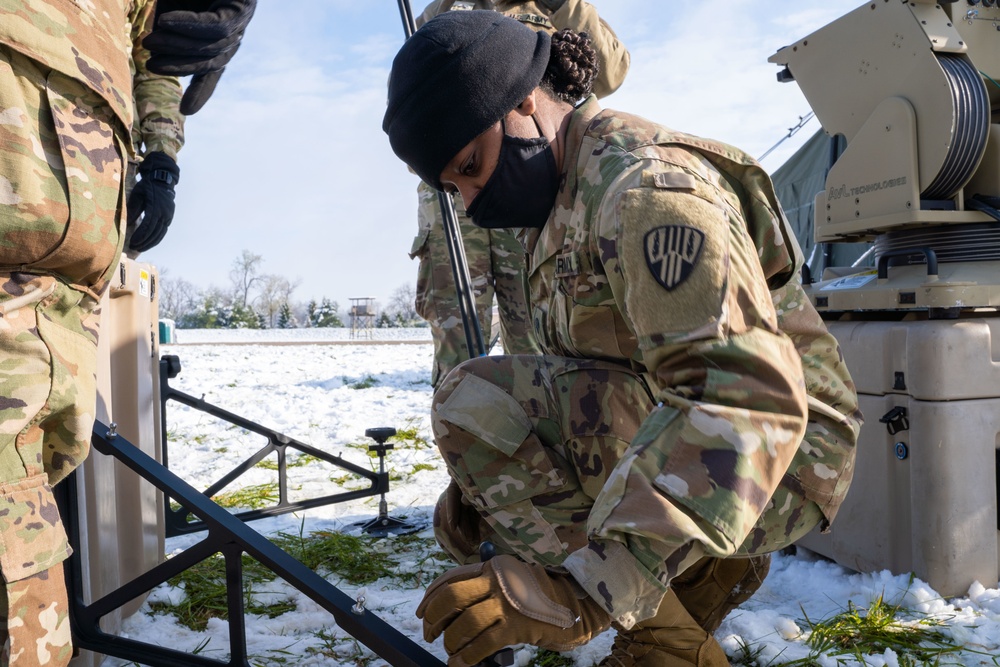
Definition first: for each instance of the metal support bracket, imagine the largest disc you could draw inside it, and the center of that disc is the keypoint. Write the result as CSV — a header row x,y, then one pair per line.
x,y
179,520
228,535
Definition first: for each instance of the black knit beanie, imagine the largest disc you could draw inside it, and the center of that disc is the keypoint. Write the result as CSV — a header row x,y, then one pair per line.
x,y
455,78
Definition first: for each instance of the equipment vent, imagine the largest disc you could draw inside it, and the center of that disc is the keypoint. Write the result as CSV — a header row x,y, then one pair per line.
x,y
952,243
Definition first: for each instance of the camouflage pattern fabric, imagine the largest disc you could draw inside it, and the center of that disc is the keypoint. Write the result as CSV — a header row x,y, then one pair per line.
x,y
496,263
530,467
38,621
158,122
83,40
61,180
66,100
495,258
48,334
668,255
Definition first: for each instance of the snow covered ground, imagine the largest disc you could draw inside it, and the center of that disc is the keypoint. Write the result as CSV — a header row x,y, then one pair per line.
x,y
327,395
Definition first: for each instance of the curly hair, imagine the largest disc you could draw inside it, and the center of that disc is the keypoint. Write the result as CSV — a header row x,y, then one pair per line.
x,y
572,67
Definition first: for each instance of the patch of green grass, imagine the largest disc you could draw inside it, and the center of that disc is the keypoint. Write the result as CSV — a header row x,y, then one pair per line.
x,y
359,445
422,466
300,461
410,434
347,555
749,656
547,658
250,497
855,633
345,650
430,561
267,464
367,382
303,460
204,586
350,481
357,559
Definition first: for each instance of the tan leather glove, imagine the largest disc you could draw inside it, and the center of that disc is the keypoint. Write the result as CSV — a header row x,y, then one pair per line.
x,y
483,607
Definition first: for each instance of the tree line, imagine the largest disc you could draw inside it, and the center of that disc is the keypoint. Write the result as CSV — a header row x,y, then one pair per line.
x,y
258,300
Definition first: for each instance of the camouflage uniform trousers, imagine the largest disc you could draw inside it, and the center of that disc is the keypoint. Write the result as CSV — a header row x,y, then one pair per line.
x,y
496,262
530,441
61,162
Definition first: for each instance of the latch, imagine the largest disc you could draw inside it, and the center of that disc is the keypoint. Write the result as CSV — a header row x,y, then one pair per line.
x,y
895,420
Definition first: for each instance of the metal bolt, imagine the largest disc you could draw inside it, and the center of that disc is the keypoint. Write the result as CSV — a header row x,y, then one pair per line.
x,y
359,605
112,431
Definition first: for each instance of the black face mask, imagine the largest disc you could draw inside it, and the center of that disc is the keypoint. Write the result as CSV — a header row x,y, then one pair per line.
x,y
522,189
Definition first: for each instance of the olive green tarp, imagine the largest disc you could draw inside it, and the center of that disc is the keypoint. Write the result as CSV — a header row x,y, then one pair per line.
x,y
796,183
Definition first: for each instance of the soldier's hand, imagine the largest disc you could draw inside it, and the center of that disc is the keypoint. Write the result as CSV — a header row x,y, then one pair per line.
x,y
152,198
482,608
197,37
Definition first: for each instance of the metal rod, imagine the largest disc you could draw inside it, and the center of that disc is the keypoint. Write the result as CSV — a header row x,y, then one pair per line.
x,y
453,235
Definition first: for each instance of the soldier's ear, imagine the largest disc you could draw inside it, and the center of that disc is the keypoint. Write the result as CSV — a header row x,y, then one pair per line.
x,y
529,105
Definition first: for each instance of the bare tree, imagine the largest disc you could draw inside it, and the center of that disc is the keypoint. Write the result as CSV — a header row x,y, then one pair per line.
x,y
244,275
275,291
178,297
401,304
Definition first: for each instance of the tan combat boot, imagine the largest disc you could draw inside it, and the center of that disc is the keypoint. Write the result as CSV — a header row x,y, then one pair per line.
x,y
672,638
713,587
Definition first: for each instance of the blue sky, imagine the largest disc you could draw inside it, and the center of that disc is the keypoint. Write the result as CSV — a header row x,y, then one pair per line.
x,y
288,159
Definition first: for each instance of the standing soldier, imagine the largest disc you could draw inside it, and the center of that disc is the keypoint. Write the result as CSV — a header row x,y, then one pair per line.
x,y
690,413
66,109
495,257
157,135
66,113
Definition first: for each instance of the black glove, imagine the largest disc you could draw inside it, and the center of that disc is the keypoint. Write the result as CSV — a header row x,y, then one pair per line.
x,y
196,37
153,199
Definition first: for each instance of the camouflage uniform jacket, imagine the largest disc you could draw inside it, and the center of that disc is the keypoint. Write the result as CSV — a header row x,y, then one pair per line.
x,y
552,15
159,123
669,253
88,41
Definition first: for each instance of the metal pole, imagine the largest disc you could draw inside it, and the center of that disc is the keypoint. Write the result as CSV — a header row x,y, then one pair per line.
x,y
453,236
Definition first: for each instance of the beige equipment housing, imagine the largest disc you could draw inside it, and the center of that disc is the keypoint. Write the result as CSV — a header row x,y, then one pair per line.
x,y
912,87
120,514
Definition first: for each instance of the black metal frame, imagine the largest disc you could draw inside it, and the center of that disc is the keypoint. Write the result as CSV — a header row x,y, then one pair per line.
x,y
228,535
178,520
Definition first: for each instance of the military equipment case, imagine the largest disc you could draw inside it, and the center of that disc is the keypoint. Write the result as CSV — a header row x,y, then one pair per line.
x,y
924,498
120,515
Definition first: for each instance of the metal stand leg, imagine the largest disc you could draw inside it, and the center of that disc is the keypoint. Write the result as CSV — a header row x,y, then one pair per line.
x,y
384,524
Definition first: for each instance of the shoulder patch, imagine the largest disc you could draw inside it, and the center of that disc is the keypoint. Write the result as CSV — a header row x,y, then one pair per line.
x,y
672,252
462,6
